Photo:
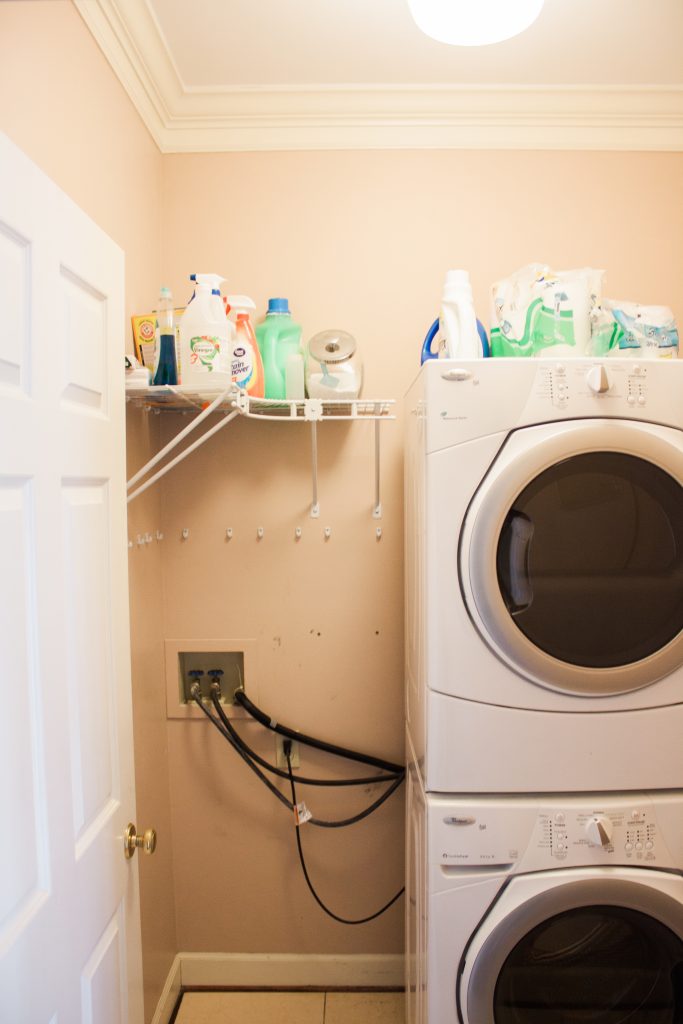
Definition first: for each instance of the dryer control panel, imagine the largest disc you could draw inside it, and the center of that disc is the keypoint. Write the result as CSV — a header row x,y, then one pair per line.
x,y
536,833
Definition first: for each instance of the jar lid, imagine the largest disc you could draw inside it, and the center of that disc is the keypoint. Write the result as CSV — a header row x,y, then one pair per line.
x,y
332,346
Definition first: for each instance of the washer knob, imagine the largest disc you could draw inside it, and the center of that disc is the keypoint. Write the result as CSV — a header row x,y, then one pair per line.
x,y
598,380
599,831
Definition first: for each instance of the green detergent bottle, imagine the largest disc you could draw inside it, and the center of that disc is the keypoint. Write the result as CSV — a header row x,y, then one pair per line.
x,y
279,339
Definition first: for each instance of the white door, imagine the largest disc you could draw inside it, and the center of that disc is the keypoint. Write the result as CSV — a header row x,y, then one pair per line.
x,y
69,909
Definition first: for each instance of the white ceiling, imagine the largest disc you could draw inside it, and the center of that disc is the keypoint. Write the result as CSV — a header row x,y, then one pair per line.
x,y
296,74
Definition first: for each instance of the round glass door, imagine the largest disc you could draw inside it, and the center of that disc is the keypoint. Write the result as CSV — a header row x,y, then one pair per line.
x,y
593,965
590,560
571,555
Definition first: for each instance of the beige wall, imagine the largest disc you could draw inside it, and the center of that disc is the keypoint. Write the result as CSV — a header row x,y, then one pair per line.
x,y
356,240
61,103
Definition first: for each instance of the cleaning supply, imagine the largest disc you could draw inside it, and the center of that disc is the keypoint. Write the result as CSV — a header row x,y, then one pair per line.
x,y
458,332
641,332
204,337
278,337
246,367
167,369
544,313
458,321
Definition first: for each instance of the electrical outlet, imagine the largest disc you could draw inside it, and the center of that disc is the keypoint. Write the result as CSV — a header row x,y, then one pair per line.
x,y
280,759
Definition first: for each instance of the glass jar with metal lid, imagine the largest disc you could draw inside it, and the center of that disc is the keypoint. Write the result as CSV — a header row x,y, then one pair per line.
x,y
333,366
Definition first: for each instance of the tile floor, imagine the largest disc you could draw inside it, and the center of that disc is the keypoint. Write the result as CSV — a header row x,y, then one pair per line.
x,y
291,1008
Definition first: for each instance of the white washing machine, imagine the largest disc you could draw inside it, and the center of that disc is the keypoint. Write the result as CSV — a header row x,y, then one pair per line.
x,y
544,575
546,910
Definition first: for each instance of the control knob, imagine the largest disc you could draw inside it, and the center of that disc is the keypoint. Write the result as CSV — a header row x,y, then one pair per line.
x,y
599,831
598,380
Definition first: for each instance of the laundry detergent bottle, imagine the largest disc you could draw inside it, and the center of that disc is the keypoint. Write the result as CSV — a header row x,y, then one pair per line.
x,y
278,338
458,319
246,365
204,335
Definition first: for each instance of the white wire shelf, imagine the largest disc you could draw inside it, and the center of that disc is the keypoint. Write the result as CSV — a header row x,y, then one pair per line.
x,y
183,398
232,402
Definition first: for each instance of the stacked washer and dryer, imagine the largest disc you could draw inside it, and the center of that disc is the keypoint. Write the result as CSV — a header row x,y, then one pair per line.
x,y
544,704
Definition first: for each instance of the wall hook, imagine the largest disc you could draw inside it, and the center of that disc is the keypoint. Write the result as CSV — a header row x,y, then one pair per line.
x,y
159,535
327,532
378,533
228,533
140,540
259,533
186,533
297,533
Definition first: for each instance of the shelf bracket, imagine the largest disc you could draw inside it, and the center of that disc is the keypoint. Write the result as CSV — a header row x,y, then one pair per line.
x,y
315,506
377,510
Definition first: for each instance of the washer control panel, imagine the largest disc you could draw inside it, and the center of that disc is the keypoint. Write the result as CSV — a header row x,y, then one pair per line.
x,y
578,386
645,830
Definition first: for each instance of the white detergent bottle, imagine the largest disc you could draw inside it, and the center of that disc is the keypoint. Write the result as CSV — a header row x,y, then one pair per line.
x,y
204,335
458,319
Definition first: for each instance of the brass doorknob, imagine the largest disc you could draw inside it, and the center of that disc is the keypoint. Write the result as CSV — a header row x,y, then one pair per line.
x,y
131,841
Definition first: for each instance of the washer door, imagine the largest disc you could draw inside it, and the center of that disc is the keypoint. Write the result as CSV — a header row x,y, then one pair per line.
x,y
604,950
571,555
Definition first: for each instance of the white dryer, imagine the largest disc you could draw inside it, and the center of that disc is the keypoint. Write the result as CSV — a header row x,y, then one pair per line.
x,y
544,575
552,910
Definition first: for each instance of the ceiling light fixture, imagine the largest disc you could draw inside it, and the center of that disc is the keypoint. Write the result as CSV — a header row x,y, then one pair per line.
x,y
474,22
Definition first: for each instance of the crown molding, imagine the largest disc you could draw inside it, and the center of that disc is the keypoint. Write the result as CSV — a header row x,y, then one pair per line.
x,y
184,119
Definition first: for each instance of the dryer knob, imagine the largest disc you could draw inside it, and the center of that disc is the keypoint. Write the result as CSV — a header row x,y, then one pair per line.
x,y
598,380
599,831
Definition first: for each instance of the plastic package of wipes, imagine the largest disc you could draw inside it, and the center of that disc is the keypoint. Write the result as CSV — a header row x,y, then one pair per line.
x,y
540,312
629,330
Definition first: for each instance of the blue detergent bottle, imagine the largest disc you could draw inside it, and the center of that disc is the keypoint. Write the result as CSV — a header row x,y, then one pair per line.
x,y
167,367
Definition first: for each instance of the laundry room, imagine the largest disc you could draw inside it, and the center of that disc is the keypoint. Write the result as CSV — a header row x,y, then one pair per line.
x,y
349,183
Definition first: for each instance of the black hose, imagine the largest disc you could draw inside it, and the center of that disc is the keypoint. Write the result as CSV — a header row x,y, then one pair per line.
x,y
310,741
301,779
228,731
302,861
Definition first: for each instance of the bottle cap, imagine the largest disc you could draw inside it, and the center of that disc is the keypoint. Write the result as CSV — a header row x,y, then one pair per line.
x,y
278,305
164,292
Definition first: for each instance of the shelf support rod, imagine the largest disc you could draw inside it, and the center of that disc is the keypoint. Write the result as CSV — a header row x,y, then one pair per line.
x,y
178,438
377,510
183,455
315,507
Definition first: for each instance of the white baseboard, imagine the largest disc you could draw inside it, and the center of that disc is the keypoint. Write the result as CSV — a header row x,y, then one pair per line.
x,y
277,970
169,995
285,969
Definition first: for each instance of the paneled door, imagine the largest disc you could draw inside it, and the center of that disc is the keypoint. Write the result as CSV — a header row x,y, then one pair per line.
x,y
69,907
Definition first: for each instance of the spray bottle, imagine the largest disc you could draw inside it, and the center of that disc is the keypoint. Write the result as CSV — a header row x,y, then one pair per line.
x,y
246,363
204,337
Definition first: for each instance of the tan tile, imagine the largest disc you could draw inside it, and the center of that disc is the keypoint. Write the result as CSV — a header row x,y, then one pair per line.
x,y
252,1008
365,1008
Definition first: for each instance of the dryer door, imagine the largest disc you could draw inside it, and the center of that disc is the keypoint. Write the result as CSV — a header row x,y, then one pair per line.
x,y
571,555
597,945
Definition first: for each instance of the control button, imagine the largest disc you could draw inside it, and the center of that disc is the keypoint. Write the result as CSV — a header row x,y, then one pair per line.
x,y
628,847
560,847
636,815
631,400
641,399
649,844
560,818
639,846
